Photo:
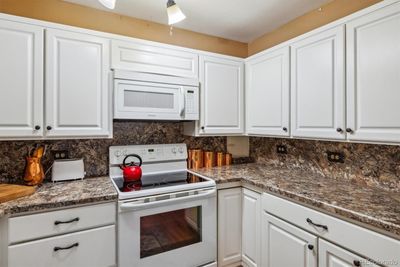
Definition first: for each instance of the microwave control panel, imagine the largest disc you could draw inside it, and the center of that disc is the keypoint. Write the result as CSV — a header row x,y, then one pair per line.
x,y
191,104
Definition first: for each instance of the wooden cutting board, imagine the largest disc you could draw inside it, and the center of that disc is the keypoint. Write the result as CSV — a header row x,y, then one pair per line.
x,y
12,191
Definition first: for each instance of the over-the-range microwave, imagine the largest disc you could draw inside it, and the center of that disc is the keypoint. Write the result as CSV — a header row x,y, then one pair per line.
x,y
146,96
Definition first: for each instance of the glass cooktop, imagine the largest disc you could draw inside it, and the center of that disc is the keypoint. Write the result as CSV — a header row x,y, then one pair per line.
x,y
158,181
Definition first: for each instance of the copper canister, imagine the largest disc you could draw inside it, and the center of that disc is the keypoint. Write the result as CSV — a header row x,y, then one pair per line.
x,y
196,159
228,159
189,159
220,159
209,159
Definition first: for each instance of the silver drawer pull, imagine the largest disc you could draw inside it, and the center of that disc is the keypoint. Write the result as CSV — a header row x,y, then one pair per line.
x,y
317,225
65,248
70,221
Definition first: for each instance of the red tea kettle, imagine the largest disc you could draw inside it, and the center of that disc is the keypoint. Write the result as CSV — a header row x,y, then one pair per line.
x,y
132,171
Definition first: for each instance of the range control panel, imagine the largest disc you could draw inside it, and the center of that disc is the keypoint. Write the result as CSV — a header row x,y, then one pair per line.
x,y
149,153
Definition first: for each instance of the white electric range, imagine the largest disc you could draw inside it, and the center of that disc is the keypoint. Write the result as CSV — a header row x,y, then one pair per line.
x,y
169,217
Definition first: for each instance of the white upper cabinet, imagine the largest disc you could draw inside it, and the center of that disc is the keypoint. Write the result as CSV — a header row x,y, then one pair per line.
x,y
286,245
153,59
318,85
221,95
373,77
78,91
21,80
267,94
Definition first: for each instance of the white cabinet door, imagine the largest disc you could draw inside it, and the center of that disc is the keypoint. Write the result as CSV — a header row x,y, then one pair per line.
x,y
229,226
221,93
21,80
373,77
95,247
267,94
154,59
334,256
251,228
318,85
78,90
286,245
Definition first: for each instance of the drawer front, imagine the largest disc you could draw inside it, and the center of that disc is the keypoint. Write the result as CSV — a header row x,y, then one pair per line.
x,y
47,224
152,59
89,248
360,240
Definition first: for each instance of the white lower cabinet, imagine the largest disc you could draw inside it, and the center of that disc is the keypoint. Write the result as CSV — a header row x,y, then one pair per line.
x,y
286,245
78,237
331,255
82,249
251,219
230,227
286,240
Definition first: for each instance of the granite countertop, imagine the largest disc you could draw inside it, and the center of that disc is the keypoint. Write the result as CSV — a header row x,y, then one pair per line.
x,y
62,194
358,202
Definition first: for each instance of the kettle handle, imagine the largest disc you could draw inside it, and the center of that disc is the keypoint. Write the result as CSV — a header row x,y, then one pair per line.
x,y
132,155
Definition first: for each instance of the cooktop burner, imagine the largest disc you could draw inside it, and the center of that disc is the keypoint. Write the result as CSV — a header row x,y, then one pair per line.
x,y
158,181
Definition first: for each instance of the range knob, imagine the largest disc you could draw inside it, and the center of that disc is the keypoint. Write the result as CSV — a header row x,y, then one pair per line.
x,y
124,152
173,150
117,153
180,150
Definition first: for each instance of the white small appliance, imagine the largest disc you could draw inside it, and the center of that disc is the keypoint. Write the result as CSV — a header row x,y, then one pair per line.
x,y
169,217
146,96
67,169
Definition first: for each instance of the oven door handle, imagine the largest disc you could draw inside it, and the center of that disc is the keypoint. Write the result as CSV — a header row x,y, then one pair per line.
x,y
131,206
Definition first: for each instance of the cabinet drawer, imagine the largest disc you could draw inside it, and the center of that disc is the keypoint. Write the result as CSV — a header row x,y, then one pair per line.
x,y
152,59
94,247
46,224
360,240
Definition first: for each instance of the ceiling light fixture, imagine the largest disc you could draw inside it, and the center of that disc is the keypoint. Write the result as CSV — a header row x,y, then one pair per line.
x,y
175,14
108,3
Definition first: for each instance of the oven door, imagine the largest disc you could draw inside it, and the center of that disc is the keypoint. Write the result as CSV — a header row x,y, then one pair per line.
x,y
148,101
168,230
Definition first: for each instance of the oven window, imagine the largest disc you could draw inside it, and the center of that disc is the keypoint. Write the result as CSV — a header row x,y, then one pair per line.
x,y
170,230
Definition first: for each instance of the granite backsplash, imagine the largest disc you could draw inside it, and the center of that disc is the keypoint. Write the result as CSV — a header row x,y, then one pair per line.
x,y
377,165
95,151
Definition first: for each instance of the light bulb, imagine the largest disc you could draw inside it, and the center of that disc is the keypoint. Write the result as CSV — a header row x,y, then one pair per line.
x,y
108,3
175,14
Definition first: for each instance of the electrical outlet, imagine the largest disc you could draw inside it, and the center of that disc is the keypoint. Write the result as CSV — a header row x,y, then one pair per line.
x,y
60,154
281,149
335,156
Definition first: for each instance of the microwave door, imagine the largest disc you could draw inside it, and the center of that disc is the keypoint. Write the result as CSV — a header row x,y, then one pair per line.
x,y
147,101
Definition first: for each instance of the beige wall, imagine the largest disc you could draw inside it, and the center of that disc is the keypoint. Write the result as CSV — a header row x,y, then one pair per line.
x,y
311,20
80,16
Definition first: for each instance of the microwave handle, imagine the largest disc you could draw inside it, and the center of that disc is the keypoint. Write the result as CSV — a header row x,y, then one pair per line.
x,y
182,100
133,206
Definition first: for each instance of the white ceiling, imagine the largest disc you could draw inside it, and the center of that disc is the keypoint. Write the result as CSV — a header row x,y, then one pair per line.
x,y
240,20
